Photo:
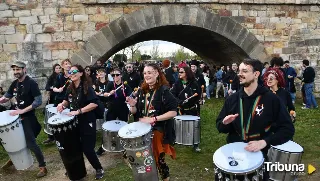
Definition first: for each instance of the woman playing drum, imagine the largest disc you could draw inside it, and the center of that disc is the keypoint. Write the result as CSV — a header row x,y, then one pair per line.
x,y
82,101
157,106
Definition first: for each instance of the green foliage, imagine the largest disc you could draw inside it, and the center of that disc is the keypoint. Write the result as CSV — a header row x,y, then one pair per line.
x,y
120,57
145,57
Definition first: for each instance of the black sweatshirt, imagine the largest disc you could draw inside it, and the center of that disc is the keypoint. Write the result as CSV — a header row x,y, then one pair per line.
x,y
273,124
285,98
308,75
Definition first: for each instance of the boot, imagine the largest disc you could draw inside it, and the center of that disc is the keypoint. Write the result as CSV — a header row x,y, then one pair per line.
x,y
7,165
43,172
99,174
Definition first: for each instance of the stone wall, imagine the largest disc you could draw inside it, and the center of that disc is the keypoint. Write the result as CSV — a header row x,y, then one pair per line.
x,y
45,32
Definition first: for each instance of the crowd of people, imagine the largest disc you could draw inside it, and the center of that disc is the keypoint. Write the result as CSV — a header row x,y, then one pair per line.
x,y
156,93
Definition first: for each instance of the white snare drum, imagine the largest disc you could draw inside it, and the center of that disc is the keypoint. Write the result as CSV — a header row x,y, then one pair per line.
x,y
47,115
136,139
187,129
232,161
51,112
287,153
111,140
13,139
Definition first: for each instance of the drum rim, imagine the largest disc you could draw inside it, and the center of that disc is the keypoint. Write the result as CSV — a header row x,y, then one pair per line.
x,y
241,173
197,117
18,117
271,146
73,117
113,121
136,136
65,110
47,106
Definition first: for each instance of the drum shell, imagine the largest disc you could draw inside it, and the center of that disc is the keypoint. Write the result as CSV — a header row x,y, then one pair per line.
x,y
99,122
187,131
111,141
143,166
46,118
12,136
22,159
283,157
70,148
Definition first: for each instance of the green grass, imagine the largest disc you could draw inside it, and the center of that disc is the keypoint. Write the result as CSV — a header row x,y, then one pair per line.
x,y
191,166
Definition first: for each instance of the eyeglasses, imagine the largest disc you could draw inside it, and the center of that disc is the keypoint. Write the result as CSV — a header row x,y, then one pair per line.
x,y
115,75
87,70
181,72
271,78
72,72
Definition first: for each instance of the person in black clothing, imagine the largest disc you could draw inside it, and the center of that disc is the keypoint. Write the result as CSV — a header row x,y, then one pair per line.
x,y
187,92
155,105
56,70
82,101
62,82
201,82
277,62
254,114
131,76
232,80
168,71
274,79
117,106
28,97
91,77
308,79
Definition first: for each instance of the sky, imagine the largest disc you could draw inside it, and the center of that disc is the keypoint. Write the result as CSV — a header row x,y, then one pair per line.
x,y
165,48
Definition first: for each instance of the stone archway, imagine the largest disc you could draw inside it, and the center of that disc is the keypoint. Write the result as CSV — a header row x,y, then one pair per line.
x,y
214,37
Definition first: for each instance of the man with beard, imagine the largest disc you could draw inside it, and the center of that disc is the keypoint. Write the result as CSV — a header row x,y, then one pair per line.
x,y
28,97
254,114
131,76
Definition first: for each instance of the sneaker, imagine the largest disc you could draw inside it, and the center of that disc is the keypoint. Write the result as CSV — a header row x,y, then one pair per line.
x,y
99,174
43,172
48,141
197,149
304,107
303,104
100,151
7,165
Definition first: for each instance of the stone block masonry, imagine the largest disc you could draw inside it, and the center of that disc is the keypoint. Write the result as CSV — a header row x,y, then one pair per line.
x,y
287,28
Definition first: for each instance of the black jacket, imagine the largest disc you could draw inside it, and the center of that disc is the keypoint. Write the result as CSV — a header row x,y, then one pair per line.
x,y
308,75
285,98
181,93
273,124
132,78
200,80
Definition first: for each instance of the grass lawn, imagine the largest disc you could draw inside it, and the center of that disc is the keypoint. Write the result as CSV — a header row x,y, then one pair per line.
x,y
191,166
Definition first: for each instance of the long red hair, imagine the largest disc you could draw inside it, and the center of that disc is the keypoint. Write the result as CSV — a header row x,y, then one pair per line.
x,y
277,73
161,79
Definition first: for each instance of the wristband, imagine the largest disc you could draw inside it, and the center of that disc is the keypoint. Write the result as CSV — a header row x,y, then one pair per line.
x,y
155,118
79,110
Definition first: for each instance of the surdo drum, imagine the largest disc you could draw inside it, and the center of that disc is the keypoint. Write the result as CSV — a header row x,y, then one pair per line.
x,y
50,111
187,129
66,132
111,140
136,140
233,162
13,140
289,153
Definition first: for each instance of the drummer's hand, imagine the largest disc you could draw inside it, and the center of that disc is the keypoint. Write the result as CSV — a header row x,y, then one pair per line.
x,y
112,92
254,146
60,108
73,113
60,89
98,93
146,120
131,101
228,119
16,112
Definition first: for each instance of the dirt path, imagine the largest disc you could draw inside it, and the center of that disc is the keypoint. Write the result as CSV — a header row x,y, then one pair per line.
x,y
56,169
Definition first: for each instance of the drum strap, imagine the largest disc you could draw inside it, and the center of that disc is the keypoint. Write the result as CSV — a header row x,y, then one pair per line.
x,y
245,128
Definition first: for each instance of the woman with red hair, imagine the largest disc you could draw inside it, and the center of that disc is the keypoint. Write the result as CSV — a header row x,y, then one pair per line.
x,y
156,105
274,79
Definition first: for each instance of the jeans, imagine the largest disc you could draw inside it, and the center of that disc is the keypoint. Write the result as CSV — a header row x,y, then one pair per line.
x,y
31,140
209,89
308,88
293,96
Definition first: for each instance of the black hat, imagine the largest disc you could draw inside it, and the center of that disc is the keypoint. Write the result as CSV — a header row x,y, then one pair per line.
x,y
194,62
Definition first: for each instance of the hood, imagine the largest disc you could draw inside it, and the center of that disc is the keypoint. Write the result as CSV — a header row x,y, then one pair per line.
x,y
259,91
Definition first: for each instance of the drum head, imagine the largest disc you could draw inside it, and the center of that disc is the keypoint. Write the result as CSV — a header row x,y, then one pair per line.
x,y
233,158
59,119
134,130
113,126
54,110
290,146
49,106
187,117
6,119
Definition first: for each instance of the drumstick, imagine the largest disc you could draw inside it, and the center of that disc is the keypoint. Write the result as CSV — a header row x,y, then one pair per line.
x,y
194,95
124,83
135,90
66,83
202,87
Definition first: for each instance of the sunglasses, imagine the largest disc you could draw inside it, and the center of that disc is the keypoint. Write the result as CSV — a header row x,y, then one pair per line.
x,y
128,67
72,72
115,75
181,72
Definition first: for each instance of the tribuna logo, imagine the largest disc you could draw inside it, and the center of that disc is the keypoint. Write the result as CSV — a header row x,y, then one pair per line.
x,y
279,167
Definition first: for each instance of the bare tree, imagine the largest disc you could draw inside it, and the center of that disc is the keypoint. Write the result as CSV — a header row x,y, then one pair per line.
x,y
155,50
133,49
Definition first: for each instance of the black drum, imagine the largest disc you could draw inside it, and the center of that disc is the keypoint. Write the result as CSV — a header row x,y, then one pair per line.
x,y
67,136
